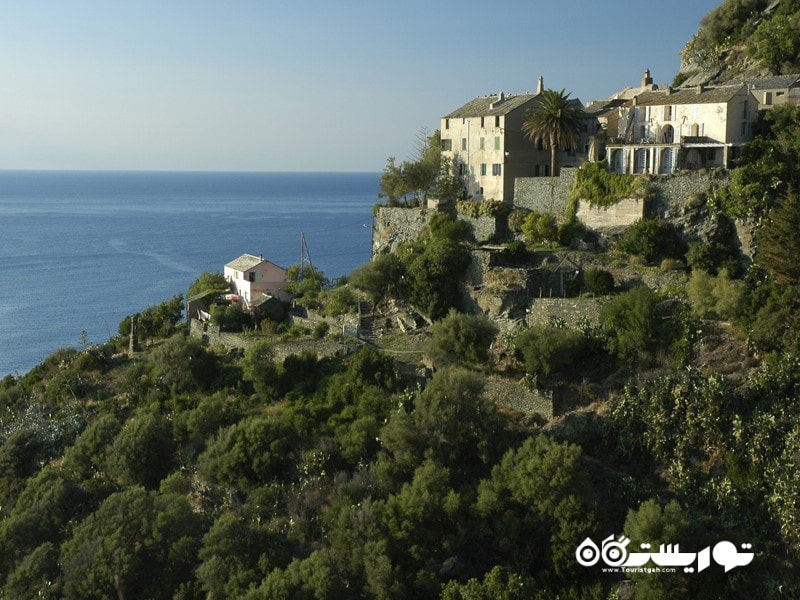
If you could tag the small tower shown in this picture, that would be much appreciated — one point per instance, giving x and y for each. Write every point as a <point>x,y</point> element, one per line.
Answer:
<point>647,80</point>
<point>540,85</point>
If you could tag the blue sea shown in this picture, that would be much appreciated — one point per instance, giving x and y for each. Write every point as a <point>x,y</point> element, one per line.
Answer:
<point>81,250</point>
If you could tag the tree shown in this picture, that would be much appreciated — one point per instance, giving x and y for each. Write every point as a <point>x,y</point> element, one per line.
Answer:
<point>142,452</point>
<point>182,364</point>
<point>632,322</point>
<point>539,228</point>
<point>138,544</point>
<point>654,525</point>
<point>209,284</point>
<point>418,176</point>
<point>461,338</point>
<point>553,353</point>
<point>598,281</point>
<point>557,121</point>
<point>779,241</point>
<point>379,278</point>
<point>259,368</point>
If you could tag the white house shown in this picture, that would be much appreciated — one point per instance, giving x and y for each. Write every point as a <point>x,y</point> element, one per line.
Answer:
<point>251,276</point>
<point>663,130</point>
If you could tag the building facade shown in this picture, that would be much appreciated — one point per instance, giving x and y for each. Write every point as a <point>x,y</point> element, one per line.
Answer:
<point>488,149</point>
<point>663,130</point>
<point>252,276</point>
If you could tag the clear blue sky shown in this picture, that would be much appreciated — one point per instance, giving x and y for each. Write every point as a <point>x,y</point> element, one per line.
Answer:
<point>297,85</point>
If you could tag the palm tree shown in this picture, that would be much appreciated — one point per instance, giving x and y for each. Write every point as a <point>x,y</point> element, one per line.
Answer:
<point>555,119</point>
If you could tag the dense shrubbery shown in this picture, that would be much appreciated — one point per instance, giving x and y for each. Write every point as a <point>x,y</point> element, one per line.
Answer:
<point>652,240</point>
<point>461,339</point>
<point>427,272</point>
<point>598,281</point>
<point>600,187</point>
<point>540,228</point>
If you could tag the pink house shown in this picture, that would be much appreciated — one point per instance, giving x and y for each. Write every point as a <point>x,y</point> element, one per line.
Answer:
<point>251,276</point>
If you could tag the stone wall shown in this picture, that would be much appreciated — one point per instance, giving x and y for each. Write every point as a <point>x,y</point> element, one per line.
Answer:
<point>544,194</point>
<point>550,195</point>
<point>621,214</point>
<point>396,225</point>
<point>674,189</point>
<point>392,226</point>
<point>572,311</point>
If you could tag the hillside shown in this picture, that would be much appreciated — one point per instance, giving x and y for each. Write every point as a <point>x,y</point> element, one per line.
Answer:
<point>743,39</point>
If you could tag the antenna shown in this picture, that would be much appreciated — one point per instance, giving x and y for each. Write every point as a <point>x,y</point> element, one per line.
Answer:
<point>305,255</point>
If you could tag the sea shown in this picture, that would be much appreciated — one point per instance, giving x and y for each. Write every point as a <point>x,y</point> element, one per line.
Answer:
<point>80,250</point>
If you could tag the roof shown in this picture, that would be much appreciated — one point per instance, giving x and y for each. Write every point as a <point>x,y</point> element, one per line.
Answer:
<point>702,95</point>
<point>489,106</point>
<point>600,108</point>
<point>245,262</point>
<point>769,83</point>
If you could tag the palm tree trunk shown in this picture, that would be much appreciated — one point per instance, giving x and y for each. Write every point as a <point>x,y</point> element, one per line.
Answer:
<point>553,157</point>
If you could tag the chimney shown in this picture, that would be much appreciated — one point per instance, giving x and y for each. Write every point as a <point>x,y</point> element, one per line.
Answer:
<point>700,89</point>
<point>540,85</point>
<point>647,80</point>
<point>500,97</point>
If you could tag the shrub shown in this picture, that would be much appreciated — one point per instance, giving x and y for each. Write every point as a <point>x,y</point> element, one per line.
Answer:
<point>540,228</point>
<point>461,339</point>
<point>571,232</point>
<point>598,281</point>
<point>632,324</point>
<point>551,353</point>
<point>516,251</point>
<point>600,187</point>
<point>321,330</point>
<point>651,239</point>
<point>516,218</point>
<point>715,297</point>
<point>671,264</point>
<point>379,278</point>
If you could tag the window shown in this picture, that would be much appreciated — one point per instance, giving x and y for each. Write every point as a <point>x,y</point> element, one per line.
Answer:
<point>744,129</point>
<point>481,143</point>
<point>767,98</point>
<point>251,276</point>
<point>745,109</point>
<point>463,143</point>
<point>447,145</point>
<point>497,143</point>
<point>669,113</point>
<point>497,121</point>
<point>482,123</point>
<point>483,169</point>
<point>447,123</point>
<point>497,169</point>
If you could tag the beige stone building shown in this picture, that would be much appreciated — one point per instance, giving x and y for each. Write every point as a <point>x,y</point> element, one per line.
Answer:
<point>665,130</point>
<point>773,91</point>
<point>485,141</point>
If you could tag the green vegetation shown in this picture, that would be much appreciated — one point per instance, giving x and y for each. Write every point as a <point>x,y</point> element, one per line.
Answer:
<point>461,339</point>
<point>602,188</point>
<point>540,228</point>
<point>652,240</point>
<point>598,281</point>
<point>428,173</point>
<point>555,120</point>
<point>426,272</point>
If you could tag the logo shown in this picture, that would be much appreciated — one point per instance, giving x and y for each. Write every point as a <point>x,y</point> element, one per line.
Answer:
<point>614,553</point>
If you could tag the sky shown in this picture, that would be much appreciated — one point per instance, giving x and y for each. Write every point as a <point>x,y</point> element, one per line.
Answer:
<point>298,85</point>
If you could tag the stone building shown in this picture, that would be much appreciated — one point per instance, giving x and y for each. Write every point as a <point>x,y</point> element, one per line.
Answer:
<point>664,130</point>
<point>251,276</point>
<point>485,141</point>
